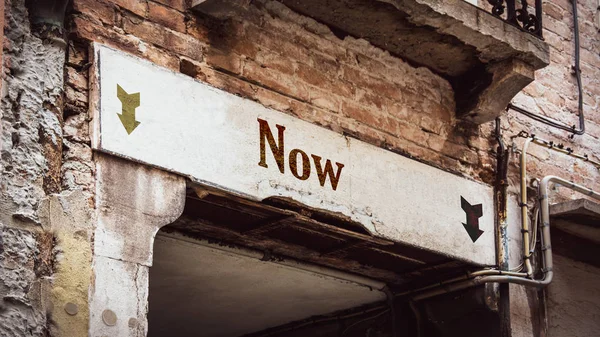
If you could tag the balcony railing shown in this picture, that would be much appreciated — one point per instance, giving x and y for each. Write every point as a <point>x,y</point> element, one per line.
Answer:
<point>522,17</point>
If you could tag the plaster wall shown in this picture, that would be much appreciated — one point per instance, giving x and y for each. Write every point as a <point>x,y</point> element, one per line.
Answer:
<point>30,163</point>
<point>574,299</point>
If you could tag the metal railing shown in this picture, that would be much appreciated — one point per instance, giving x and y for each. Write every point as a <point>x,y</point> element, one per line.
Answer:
<point>522,15</point>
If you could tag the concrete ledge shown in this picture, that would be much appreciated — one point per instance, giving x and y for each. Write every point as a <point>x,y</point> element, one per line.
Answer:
<point>581,211</point>
<point>486,60</point>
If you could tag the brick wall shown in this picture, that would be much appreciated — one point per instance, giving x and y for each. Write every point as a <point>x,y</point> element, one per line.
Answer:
<point>280,59</point>
<point>554,94</point>
<point>293,64</point>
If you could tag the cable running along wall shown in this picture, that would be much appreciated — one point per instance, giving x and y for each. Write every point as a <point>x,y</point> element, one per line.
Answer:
<point>577,71</point>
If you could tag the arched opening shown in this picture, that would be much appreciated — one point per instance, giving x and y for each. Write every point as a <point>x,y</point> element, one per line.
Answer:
<point>231,267</point>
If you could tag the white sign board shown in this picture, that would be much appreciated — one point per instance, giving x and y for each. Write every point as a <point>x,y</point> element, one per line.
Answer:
<point>169,120</point>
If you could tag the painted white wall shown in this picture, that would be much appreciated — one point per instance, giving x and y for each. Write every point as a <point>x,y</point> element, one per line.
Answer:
<point>212,136</point>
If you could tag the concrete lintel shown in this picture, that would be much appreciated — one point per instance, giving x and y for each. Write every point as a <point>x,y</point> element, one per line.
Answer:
<point>133,202</point>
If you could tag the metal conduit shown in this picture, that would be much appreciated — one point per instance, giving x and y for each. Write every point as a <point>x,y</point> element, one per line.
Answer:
<point>577,72</point>
<point>505,277</point>
<point>524,209</point>
<point>560,148</point>
<point>487,275</point>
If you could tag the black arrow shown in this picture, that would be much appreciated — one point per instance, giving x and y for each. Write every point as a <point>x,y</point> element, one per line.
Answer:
<point>474,212</point>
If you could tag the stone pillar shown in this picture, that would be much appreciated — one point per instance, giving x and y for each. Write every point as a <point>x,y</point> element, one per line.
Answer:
<point>133,202</point>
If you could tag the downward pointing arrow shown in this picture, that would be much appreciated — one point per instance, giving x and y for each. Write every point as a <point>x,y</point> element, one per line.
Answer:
<point>474,212</point>
<point>473,232</point>
<point>129,102</point>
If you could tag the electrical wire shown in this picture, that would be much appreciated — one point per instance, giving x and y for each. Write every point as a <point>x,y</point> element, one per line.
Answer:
<point>517,268</point>
<point>364,320</point>
<point>577,70</point>
<point>533,240</point>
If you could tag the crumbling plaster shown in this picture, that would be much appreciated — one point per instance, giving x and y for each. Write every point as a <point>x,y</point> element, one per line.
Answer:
<point>30,156</point>
<point>31,118</point>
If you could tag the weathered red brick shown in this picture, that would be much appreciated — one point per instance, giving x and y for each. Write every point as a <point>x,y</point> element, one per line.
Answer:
<point>553,10</point>
<point>325,99</point>
<point>76,79</point>
<point>376,85</point>
<point>138,7</point>
<point>271,60</point>
<point>176,42</point>
<point>277,43</point>
<point>179,5</point>
<point>161,57</point>
<point>96,10</point>
<point>88,30</point>
<point>274,80</point>
<point>412,133</point>
<point>76,97</point>
<point>311,76</point>
<point>197,29</point>
<point>273,100</point>
<point>219,59</point>
<point>363,115</point>
<point>166,16</point>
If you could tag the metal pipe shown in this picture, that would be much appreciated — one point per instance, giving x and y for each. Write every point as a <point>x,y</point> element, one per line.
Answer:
<point>577,70</point>
<point>539,15</point>
<point>491,275</point>
<point>546,247</point>
<point>502,160</point>
<point>467,276</point>
<point>524,209</point>
<point>502,239</point>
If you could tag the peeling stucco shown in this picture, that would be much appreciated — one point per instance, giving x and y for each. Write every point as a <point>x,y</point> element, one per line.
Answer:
<point>30,156</point>
<point>70,219</point>
<point>31,137</point>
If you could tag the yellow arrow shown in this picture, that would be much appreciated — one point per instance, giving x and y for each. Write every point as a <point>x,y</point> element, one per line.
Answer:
<point>129,103</point>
